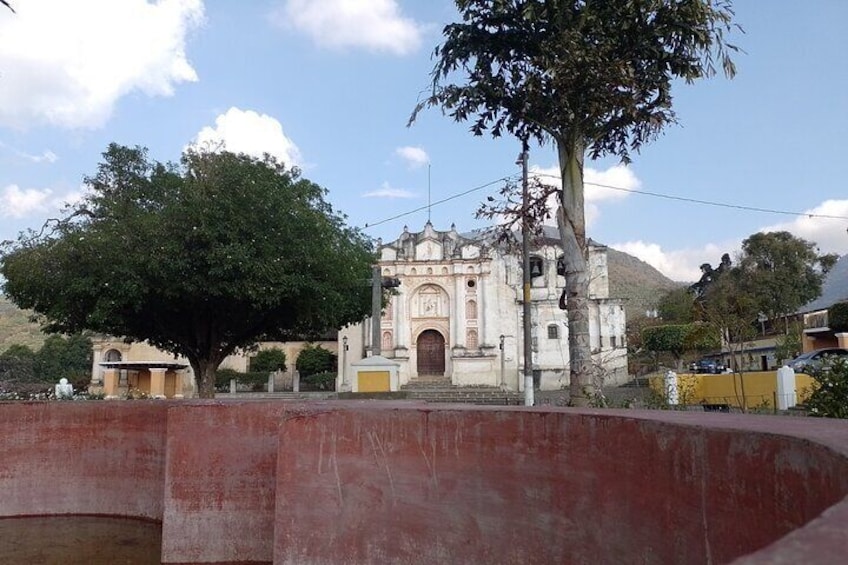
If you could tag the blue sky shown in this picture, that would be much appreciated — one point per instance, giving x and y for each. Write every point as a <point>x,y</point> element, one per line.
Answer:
<point>329,86</point>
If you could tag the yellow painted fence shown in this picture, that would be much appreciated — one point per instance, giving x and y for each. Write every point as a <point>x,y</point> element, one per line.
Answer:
<point>758,389</point>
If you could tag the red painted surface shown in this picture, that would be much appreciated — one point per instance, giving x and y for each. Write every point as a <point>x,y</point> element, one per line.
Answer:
<point>380,482</point>
<point>375,485</point>
<point>219,494</point>
<point>82,458</point>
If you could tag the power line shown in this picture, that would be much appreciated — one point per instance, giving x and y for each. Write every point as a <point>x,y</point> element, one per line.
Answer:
<point>437,202</point>
<point>621,189</point>
<point>708,202</point>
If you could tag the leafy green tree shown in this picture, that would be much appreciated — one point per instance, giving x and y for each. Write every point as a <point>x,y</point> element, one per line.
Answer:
<point>789,345</point>
<point>199,259</point>
<point>731,308</point>
<point>17,363</point>
<point>782,271</point>
<point>64,357</point>
<point>592,77</point>
<point>837,317</point>
<point>678,306</point>
<point>268,361</point>
<point>314,359</point>
<point>678,339</point>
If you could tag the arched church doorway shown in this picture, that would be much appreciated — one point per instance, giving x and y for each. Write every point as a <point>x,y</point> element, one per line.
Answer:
<point>431,353</point>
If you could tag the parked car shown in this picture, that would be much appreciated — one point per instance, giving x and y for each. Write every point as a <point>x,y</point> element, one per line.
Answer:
<point>707,365</point>
<point>812,360</point>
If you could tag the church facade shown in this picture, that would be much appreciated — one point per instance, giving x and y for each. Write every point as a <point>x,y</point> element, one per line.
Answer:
<point>457,314</point>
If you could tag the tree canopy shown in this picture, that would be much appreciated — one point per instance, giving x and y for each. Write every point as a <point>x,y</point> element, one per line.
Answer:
<point>593,77</point>
<point>677,306</point>
<point>199,258</point>
<point>783,271</point>
<point>678,339</point>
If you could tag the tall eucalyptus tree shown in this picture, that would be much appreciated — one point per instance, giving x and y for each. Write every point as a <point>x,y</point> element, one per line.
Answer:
<point>593,77</point>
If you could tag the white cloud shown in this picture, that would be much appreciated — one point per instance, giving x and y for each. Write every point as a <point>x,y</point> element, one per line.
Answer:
<point>67,63</point>
<point>620,176</point>
<point>375,25</point>
<point>387,191</point>
<point>681,264</point>
<point>828,233</point>
<point>46,156</point>
<point>246,131</point>
<point>16,202</point>
<point>415,157</point>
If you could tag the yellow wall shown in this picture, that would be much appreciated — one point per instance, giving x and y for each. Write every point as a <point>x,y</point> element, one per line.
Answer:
<point>373,381</point>
<point>760,388</point>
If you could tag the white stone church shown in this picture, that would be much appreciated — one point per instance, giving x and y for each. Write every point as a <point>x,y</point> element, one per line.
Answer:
<point>457,314</point>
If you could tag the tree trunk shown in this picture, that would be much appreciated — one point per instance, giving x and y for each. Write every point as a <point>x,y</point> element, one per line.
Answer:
<point>204,374</point>
<point>571,220</point>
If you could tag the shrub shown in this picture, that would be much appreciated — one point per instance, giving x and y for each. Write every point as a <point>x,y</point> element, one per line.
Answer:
<point>837,317</point>
<point>321,381</point>
<point>254,380</point>
<point>268,361</point>
<point>829,398</point>
<point>315,359</point>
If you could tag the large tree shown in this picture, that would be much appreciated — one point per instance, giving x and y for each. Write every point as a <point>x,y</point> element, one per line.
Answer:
<point>592,76</point>
<point>199,259</point>
<point>783,271</point>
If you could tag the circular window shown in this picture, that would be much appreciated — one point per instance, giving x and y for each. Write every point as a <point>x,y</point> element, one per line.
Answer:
<point>471,283</point>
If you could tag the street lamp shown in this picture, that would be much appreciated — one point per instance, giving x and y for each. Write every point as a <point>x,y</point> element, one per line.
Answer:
<point>344,362</point>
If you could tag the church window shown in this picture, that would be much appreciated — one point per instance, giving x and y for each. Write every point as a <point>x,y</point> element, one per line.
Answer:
<point>553,331</point>
<point>471,310</point>
<point>471,339</point>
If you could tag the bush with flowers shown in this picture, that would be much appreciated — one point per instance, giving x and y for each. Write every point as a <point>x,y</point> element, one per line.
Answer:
<point>829,397</point>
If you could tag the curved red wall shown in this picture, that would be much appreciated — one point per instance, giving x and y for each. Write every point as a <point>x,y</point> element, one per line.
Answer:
<point>377,482</point>
<point>82,458</point>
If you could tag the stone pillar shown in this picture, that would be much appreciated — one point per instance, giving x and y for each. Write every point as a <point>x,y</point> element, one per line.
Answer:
<point>96,352</point>
<point>841,339</point>
<point>157,382</point>
<point>179,389</point>
<point>110,383</point>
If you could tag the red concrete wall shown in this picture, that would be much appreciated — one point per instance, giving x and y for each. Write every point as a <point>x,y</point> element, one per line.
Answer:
<point>379,482</point>
<point>373,485</point>
<point>82,458</point>
<point>219,491</point>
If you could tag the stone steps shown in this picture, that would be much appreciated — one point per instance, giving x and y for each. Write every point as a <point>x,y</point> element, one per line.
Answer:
<point>465,395</point>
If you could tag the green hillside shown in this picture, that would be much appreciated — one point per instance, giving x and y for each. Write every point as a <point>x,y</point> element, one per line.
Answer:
<point>16,328</point>
<point>637,283</point>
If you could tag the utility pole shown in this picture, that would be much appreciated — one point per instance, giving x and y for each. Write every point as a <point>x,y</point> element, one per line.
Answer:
<point>378,283</point>
<point>525,252</point>
<point>376,309</point>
